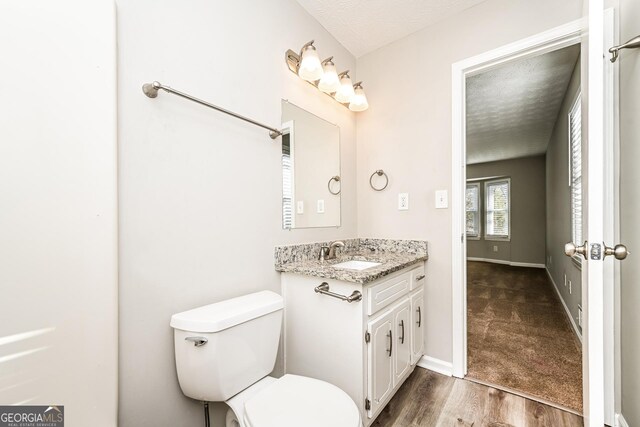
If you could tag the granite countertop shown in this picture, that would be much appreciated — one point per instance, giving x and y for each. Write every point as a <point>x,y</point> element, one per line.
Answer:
<point>390,262</point>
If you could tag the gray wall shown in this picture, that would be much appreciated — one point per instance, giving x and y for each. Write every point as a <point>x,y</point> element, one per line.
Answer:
<point>200,192</point>
<point>559,203</point>
<point>407,132</point>
<point>630,212</point>
<point>527,244</point>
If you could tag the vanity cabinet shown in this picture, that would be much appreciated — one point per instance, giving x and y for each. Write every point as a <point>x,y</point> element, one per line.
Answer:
<point>367,347</point>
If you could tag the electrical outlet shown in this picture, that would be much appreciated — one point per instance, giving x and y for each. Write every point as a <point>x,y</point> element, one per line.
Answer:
<point>565,280</point>
<point>320,206</point>
<point>495,249</point>
<point>403,201</point>
<point>550,261</point>
<point>569,287</point>
<point>300,207</point>
<point>580,316</point>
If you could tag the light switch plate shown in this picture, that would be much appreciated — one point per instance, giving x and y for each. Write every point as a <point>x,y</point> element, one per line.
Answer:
<point>300,207</point>
<point>320,209</point>
<point>403,201</point>
<point>442,199</point>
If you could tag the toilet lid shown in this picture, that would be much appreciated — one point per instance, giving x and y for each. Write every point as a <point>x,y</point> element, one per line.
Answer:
<point>294,401</point>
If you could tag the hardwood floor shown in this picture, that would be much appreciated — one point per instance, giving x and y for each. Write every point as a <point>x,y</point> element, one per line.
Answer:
<point>429,399</point>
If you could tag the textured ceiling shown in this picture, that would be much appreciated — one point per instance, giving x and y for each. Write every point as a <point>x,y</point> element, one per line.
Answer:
<point>511,110</point>
<point>362,26</point>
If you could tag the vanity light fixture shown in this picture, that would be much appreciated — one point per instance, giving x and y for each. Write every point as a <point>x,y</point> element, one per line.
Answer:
<point>359,99</point>
<point>346,91</point>
<point>324,76</point>
<point>310,68</point>
<point>329,82</point>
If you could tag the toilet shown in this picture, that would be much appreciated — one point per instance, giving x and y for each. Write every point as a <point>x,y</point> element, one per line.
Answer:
<point>225,353</point>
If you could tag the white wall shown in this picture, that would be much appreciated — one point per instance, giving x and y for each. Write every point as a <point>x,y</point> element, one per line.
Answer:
<point>58,229</point>
<point>200,192</point>
<point>407,132</point>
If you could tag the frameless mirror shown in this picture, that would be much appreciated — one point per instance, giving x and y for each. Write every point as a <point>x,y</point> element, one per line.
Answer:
<point>311,182</point>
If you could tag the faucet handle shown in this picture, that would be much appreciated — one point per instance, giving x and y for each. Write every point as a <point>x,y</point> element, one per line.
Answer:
<point>324,250</point>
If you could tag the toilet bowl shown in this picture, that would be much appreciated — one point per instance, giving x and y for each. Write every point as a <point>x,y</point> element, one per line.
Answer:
<point>292,401</point>
<point>225,352</point>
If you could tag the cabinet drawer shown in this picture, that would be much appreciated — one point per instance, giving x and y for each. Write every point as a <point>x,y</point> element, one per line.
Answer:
<point>383,294</point>
<point>417,277</point>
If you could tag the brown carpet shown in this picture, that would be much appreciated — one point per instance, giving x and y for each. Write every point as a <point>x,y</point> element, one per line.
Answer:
<point>519,336</point>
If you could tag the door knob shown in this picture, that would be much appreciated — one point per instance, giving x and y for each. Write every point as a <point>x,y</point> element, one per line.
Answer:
<point>618,251</point>
<point>570,249</point>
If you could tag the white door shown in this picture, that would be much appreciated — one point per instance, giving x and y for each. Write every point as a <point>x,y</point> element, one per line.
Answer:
<point>417,326</point>
<point>402,352</point>
<point>628,342</point>
<point>58,199</point>
<point>381,348</point>
<point>599,124</point>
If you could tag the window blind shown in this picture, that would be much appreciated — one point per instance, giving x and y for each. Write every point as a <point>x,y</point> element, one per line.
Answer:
<point>472,199</point>
<point>287,183</point>
<point>575,167</point>
<point>497,208</point>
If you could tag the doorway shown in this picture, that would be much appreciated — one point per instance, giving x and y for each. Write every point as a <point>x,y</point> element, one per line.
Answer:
<point>598,311</point>
<point>522,204</point>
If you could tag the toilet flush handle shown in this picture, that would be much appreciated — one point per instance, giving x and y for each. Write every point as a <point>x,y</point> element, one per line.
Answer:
<point>197,341</point>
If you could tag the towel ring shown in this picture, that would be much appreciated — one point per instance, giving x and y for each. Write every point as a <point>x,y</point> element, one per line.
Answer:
<point>379,172</point>
<point>336,179</point>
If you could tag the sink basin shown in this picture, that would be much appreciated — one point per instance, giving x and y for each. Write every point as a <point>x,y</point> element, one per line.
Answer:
<point>356,265</point>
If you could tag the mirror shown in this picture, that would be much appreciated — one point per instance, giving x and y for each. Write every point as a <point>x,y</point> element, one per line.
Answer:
<point>311,181</point>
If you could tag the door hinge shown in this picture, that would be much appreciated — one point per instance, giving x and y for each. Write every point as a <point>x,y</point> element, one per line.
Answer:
<point>367,337</point>
<point>367,404</point>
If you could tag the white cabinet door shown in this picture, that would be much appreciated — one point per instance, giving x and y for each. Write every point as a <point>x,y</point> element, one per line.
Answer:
<point>402,340</point>
<point>381,348</point>
<point>417,326</point>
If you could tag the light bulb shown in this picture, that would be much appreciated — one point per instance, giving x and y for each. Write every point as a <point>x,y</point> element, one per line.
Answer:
<point>359,100</point>
<point>330,82</point>
<point>310,67</point>
<point>345,92</point>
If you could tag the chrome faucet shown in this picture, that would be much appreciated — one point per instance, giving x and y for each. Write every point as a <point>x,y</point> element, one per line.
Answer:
<point>332,249</point>
<point>324,251</point>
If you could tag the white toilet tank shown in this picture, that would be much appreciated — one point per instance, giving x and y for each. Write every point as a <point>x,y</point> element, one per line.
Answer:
<point>223,348</point>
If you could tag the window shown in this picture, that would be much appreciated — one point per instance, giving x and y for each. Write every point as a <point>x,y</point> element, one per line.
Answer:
<point>575,171</point>
<point>472,201</point>
<point>287,182</point>
<point>497,205</point>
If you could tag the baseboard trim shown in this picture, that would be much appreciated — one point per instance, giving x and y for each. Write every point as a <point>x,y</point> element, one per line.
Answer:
<point>621,421</point>
<point>436,365</point>
<point>505,262</point>
<point>566,309</point>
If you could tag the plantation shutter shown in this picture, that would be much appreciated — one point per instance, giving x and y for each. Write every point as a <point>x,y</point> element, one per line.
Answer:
<point>287,183</point>
<point>575,160</point>
<point>472,199</point>
<point>497,195</point>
